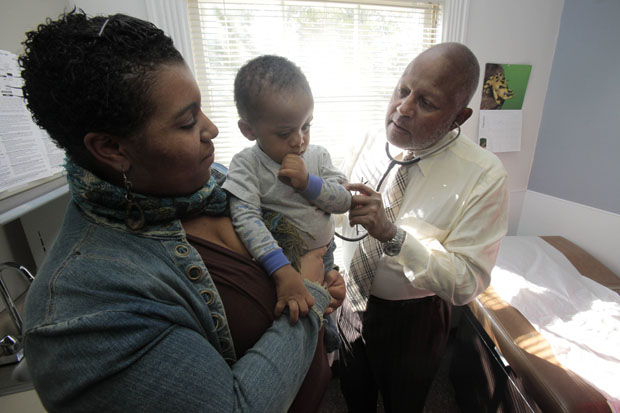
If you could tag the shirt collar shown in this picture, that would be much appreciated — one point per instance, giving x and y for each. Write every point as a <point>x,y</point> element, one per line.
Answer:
<point>426,164</point>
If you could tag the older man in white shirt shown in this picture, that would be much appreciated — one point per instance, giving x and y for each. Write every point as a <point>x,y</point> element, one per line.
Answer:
<point>435,250</point>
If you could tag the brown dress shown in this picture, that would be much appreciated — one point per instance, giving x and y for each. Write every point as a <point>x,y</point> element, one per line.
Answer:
<point>249,297</point>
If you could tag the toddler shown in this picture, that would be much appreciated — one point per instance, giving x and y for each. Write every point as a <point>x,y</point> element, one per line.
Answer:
<point>282,174</point>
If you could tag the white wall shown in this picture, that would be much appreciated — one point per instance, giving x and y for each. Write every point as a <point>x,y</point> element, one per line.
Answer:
<point>595,230</point>
<point>16,18</point>
<point>518,32</point>
<point>19,16</point>
<point>135,8</point>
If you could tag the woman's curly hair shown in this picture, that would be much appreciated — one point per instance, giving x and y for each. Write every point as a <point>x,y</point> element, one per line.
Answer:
<point>92,74</point>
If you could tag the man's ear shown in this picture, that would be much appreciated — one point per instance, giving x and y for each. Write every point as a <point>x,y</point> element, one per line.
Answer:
<point>246,129</point>
<point>463,115</point>
<point>106,150</point>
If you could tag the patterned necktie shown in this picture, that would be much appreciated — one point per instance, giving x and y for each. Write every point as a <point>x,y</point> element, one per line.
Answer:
<point>369,250</point>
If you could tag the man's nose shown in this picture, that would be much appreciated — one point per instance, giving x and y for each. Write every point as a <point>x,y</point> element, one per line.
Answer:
<point>406,106</point>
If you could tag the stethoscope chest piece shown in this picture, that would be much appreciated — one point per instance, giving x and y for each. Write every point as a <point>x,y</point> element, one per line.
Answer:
<point>393,162</point>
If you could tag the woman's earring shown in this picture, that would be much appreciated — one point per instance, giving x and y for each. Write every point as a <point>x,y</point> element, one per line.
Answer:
<point>134,216</point>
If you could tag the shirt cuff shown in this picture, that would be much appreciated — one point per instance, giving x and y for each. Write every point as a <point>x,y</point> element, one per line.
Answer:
<point>273,260</point>
<point>413,254</point>
<point>313,189</point>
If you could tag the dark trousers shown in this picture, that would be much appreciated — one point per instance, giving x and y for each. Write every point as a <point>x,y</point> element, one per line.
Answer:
<point>394,347</point>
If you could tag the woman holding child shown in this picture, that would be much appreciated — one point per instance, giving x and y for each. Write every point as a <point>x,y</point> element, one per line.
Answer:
<point>136,304</point>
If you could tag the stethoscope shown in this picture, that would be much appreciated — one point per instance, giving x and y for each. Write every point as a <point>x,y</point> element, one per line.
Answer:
<point>394,162</point>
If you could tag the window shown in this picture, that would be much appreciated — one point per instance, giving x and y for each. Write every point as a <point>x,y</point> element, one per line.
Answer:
<point>351,53</point>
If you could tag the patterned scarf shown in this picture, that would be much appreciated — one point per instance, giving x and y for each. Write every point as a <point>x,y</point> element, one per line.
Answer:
<point>99,198</point>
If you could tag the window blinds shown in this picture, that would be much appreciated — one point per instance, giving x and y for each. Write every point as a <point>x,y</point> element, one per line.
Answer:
<point>351,52</point>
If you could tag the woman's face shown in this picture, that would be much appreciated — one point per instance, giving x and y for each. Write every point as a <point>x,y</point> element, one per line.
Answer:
<point>173,153</point>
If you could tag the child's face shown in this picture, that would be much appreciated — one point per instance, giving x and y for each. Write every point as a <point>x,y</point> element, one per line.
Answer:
<point>283,124</point>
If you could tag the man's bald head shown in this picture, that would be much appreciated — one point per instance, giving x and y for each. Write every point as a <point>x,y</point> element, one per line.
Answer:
<point>431,96</point>
<point>463,63</point>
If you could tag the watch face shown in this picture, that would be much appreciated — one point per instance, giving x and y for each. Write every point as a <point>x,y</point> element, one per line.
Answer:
<point>393,246</point>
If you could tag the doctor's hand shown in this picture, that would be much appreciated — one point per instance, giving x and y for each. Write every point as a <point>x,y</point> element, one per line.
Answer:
<point>368,211</point>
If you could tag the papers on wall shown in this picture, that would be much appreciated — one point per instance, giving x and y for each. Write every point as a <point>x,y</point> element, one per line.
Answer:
<point>500,130</point>
<point>27,154</point>
<point>503,92</point>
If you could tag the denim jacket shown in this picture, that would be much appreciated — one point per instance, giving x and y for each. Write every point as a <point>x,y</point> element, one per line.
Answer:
<point>118,321</point>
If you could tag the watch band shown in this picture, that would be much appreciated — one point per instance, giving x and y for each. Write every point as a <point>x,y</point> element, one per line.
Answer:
<point>392,247</point>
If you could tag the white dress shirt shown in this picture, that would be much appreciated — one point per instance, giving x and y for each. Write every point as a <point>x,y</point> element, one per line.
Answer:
<point>455,214</point>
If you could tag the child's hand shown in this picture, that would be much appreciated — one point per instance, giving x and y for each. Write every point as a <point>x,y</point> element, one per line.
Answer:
<point>293,170</point>
<point>337,290</point>
<point>291,291</point>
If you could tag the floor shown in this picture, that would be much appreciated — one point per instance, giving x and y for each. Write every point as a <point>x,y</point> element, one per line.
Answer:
<point>440,399</point>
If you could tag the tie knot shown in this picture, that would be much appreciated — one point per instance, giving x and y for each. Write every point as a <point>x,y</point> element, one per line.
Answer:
<point>408,155</point>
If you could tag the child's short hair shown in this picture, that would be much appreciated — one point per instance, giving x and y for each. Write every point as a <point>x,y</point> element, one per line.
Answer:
<point>271,71</point>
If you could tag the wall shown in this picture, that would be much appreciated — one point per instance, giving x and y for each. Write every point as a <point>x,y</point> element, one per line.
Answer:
<point>136,8</point>
<point>574,190</point>
<point>579,143</point>
<point>19,16</point>
<point>593,229</point>
<point>519,32</point>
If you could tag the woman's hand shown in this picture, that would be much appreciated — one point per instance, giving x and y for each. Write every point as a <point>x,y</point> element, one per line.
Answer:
<point>368,211</point>
<point>337,290</point>
<point>311,265</point>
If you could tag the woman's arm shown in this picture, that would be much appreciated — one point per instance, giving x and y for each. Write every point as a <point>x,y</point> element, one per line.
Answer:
<point>133,361</point>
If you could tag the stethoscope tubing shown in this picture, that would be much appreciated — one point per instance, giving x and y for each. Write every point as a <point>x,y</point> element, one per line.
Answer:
<point>401,163</point>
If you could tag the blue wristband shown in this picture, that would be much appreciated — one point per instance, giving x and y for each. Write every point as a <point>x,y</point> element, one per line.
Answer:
<point>273,260</point>
<point>313,189</point>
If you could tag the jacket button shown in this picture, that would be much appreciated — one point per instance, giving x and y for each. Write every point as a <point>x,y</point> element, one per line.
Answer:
<point>193,272</point>
<point>208,296</point>
<point>217,320</point>
<point>181,250</point>
<point>224,344</point>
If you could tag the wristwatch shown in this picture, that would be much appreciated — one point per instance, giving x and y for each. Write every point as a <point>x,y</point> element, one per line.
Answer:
<point>392,247</point>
